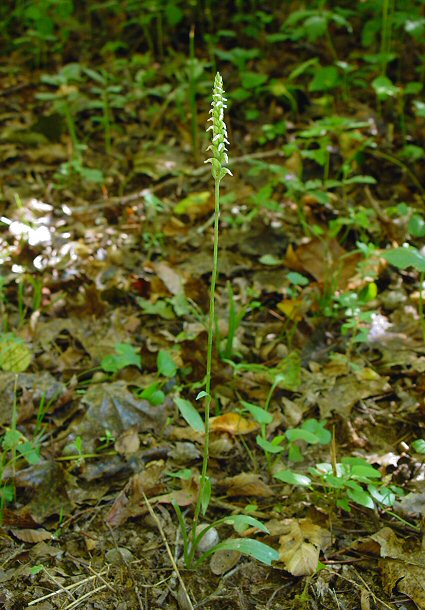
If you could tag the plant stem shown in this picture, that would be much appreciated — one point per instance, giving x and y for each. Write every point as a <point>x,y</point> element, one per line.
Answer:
<point>211,324</point>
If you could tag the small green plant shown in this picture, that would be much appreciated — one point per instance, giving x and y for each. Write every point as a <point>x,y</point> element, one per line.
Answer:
<point>126,355</point>
<point>14,448</point>
<point>167,369</point>
<point>191,542</point>
<point>351,480</point>
<point>312,432</point>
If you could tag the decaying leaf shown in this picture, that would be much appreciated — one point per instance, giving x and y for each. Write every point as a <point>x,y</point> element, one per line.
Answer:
<point>232,423</point>
<point>301,544</point>
<point>247,484</point>
<point>128,442</point>
<point>111,406</point>
<point>401,564</point>
<point>32,536</point>
<point>129,502</point>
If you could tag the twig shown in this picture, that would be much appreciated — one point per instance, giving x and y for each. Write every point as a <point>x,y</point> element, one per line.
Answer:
<point>170,554</point>
<point>65,589</point>
<point>84,597</point>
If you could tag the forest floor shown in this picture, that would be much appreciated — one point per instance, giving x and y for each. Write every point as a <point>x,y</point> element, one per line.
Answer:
<point>106,235</point>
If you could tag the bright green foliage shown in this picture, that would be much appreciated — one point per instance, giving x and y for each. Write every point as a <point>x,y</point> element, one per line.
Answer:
<point>165,363</point>
<point>419,446</point>
<point>190,414</point>
<point>126,355</point>
<point>354,479</point>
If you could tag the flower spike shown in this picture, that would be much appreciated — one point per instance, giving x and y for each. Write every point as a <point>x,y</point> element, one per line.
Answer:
<point>219,138</point>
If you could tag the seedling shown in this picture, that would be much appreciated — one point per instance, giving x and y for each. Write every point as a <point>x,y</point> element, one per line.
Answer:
<point>351,480</point>
<point>14,448</point>
<point>126,355</point>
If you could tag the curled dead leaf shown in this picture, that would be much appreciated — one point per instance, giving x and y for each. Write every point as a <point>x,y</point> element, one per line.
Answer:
<point>32,536</point>
<point>232,423</point>
<point>247,484</point>
<point>301,544</point>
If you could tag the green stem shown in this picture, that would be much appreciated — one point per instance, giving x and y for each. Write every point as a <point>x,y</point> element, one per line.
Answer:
<point>211,323</point>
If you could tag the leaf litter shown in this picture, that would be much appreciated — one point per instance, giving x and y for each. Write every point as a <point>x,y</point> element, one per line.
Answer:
<point>90,267</point>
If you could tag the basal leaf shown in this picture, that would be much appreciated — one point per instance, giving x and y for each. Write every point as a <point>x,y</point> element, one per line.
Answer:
<point>190,414</point>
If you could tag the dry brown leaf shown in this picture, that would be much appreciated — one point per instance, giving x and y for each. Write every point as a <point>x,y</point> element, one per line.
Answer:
<point>301,561</point>
<point>301,544</point>
<point>128,442</point>
<point>130,502</point>
<point>33,536</point>
<point>402,566</point>
<point>232,423</point>
<point>328,263</point>
<point>247,484</point>
<point>169,276</point>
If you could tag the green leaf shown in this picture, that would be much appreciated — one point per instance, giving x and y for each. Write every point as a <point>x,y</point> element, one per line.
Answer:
<point>419,108</point>
<point>247,546</point>
<point>126,355</point>
<point>241,522</point>
<point>7,493</point>
<point>270,260</point>
<point>201,394</point>
<point>251,80</point>
<point>324,79</point>
<point>185,474</point>
<point>383,495</point>
<point>260,415</point>
<point>205,495</point>
<point>297,278</point>
<point>29,452</point>
<point>165,364</point>
<point>315,26</point>
<point>384,88</point>
<point>359,179</point>
<point>11,439</point>
<point>160,308</point>
<point>361,497</point>
<point>267,446</point>
<point>318,428</point>
<point>419,446</point>
<point>293,478</point>
<point>298,434</point>
<point>416,226</point>
<point>190,414</point>
<point>153,394</point>
<point>365,472</point>
<point>294,453</point>
<point>15,355</point>
<point>402,258</point>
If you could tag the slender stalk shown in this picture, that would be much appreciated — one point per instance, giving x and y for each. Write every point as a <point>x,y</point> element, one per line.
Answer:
<point>211,325</point>
<point>219,160</point>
